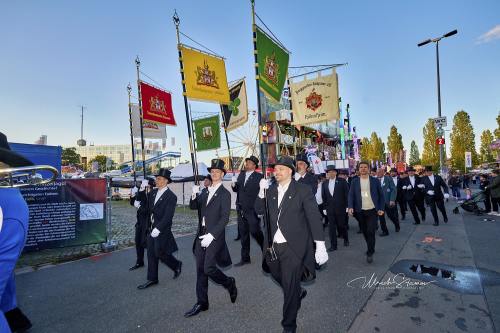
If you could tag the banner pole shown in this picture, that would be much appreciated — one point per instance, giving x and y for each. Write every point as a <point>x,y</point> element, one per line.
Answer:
<point>137,64</point>
<point>192,150</point>
<point>129,90</point>
<point>227,140</point>
<point>194,139</point>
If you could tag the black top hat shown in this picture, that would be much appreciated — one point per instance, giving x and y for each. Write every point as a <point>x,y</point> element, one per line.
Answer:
<point>303,158</point>
<point>343,172</point>
<point>9,157</point>
<point>428,168</point>
<point>254,159</point>
<point>330,168</point>
<point>165,173</point>
<point>410,168</point>
<point>374,169</point>
<point>209,177</point>
<point>217,164</point>
<point>394,170</point>
<point>285,161</point>
<point>151,182</point>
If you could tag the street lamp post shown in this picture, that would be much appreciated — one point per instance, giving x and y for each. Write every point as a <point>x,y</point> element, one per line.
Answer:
<point>436,41</point>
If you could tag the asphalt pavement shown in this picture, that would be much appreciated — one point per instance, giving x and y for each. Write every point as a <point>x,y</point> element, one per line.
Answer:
<point>99,294</point>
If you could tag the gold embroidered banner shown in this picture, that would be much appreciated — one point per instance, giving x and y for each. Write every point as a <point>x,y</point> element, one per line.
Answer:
<point>204,76</point>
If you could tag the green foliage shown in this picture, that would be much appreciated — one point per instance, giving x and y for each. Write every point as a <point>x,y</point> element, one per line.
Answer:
<point>414,154</point>
<point>485,153</point>
<point>462,139</point>
<point>70,156</point>
<point>430,154</point>
<point>395,144</point>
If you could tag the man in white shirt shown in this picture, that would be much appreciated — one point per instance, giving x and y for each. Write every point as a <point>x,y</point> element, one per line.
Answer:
<point>294,223</point>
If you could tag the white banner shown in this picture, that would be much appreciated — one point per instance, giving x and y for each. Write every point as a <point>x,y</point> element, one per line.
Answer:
<point>152,130</point>
<point>468,159</point>
<point>315,100</point>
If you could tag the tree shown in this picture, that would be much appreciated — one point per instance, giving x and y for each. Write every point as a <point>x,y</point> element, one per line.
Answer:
<point>430,153</point>
<point>485,153</point>
<point>364,149</point>
<point>395,144</point>
<point>497,130</point>
<point>414,154</point>
<point>101,160</point>
<point>377,148</point>
<point>462,139</point>
<point>70,156</point>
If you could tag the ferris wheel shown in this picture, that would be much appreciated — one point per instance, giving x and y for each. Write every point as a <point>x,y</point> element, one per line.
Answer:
<point>243,141</point>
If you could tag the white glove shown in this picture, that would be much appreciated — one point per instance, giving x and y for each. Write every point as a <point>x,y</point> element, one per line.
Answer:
<point>347,210</point>
<point>446,195</point>
<point>134,191</point>
<point>421,186</point>
<point>324,211</point>
<point>233,180</point>
<point>206,240</point>
<point>404,187</point>
<point>430,192</point>
<point>263,185</point>
<point>155,233</point>
<point>195,191</point>
<point>137,204</point>
<point>409,187</point>
<point>321,255</point>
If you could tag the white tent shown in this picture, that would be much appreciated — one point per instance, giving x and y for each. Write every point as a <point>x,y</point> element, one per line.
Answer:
<point>183,171</point>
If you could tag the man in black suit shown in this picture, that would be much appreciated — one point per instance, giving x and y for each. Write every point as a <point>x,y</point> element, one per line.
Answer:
<point>367,201</point>
<point>210,248</point>
<point>412,187</point>
<point>434,195</point>
<point>295,223</point>
<point>247,187</point>
<point>302,175</point>
<point>139,199</point>
<point>161,241</point>
<point>400,197</point>
<point>334,196</point>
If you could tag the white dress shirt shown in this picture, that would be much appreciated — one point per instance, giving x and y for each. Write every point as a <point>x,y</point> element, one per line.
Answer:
<point>278,236</point>
<point>298,176</point>
<point>211,191</point>
<point>431,178</point>
<point>247,175</point>
<point>160,193</point>
<point>412,180</point>
<point>395,180</point>
<point>331,186</point>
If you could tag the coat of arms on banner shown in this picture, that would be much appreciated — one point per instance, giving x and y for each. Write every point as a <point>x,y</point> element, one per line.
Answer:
<point>272,68</point>
<point>314,100</point>
<point>156,105</point>
<point>206,77</point>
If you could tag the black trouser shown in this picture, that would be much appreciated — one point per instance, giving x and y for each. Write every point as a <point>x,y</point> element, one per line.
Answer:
<point>139,246</point>
<point>487,203</point>
<point>440,204</point>
<point>495,202</point>
<point>413,208</point>
<point>368,223</point>
<point>392,214</point>
<point>239,222</point>
<point>153,260</point>
<point>287,272</point>
<point>402,207</point>
<point>337,223</point>
<point>205,271</point>
<point>250,225</point>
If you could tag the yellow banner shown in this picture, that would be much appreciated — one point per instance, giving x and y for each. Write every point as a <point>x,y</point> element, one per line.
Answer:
<point>204,76</point>
<point>315,100</point>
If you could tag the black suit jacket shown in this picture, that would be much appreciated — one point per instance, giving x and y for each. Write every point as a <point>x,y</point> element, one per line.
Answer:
<point>413,192</point>
<point>438,184</point>
<point>400,195</point>
<point>216,214</point>
<point>247,192</point>
<point>161,217</point>
<point>337,203</point>
<point>300,220</point>
<point>310,180</point>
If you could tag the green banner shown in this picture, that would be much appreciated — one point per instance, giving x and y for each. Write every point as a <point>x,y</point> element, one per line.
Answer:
<point>273,65</point>
<point>207,131</point>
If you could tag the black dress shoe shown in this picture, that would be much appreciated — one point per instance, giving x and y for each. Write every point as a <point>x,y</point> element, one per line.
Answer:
<point>435,223</point>
<point>383,234</point>
<point>178,271</point>
<point>359,232</point>
<point>233,291</point>
<point>333,248</point>
<point>446,220</point>
<point>197,308</point>
<point>147,284</point>
<point>346,242</point>
<point>237,238</point>
<point>398,228</point>
<point>369,259</point>
<point>416,222</point>
<point>136,266</point>
<point>242,262</point>
<point>303,294</point>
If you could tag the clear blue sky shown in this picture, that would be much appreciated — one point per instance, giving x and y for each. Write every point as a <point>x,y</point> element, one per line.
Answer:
<point>56,55</point>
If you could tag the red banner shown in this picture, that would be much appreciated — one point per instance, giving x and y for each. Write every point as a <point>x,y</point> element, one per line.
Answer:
<point>157,105</point>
